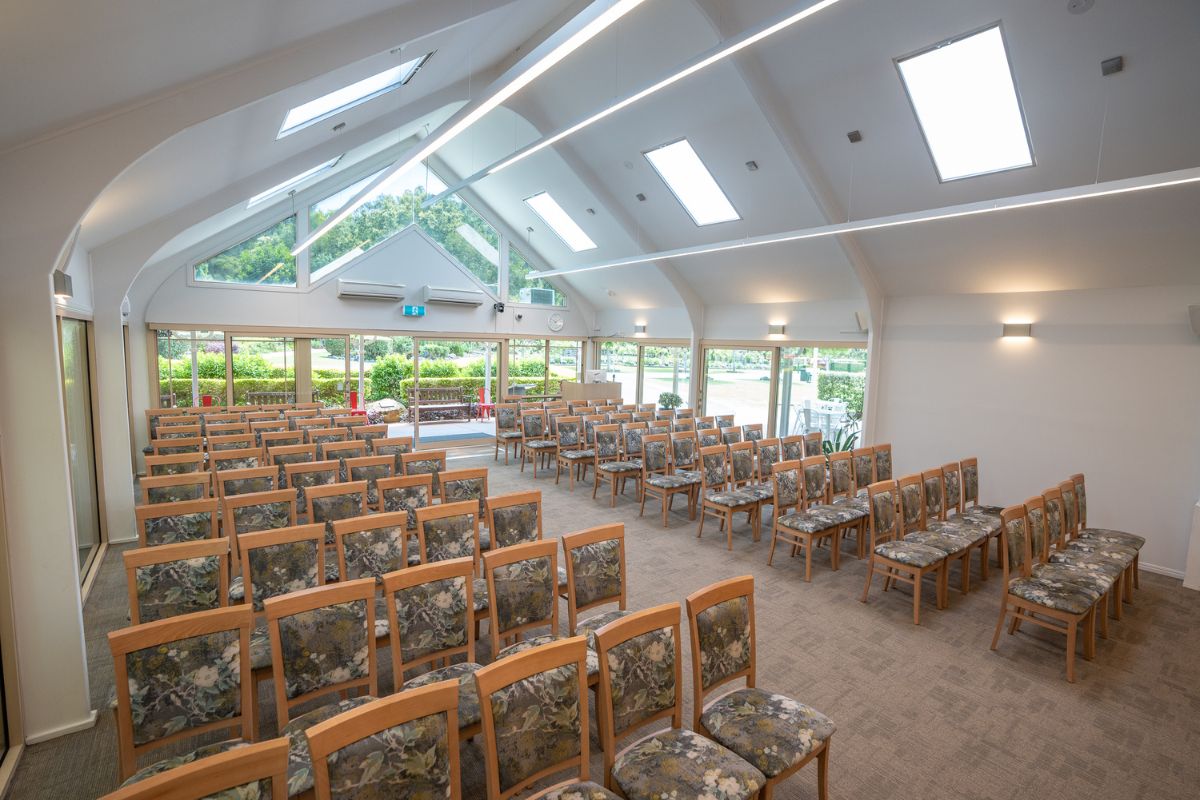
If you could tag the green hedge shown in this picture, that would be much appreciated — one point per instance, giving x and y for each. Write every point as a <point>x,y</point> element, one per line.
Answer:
<point>849,388</point>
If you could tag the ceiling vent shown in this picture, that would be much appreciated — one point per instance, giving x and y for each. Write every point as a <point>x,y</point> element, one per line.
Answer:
<point>1111,66</point>
<point>369,290</point>
<point>854,136</point>
<point>453,297</point>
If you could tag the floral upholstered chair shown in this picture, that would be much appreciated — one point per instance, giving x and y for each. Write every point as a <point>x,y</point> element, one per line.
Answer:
<point>683,425</point>
<point>970,488</point>
<point>659,481</point>
<point>448,531</point>
<point>774,733</point>
<point>394,446</point>
<point>723,421</point>
<point>281,457</point>
<point>1112,560</point>
<point>402,746</point>
<point>609,466</point>
<point>792,448</point>
<point>320,436</point>
<point>743,472</point>
<point>595,561</point>
<point>536,448</point>
<point>406,493</point>
<point>171,523</point>
<point>731,435</point>
<point>641,683</point>
<point>883,462</point>
<point>893,557</point>
<point>1099,577</point>
<point>308,475</point>
<point>1055,605</point>
<point>235,459</point>
<point>181,677</point>
<point>238,770</point>
<point>174,465</point>
<point>813,444</point>
<point>282,561</point>
<point>328,504</point>
<point>371,546</point>
<point>535,718</point>
<point>431,608</point>
<point>324,645</point>
<point>342,452</point>
<point>573,455</point>
<point>862,462</point>
<point>841,493</point>
<point>508,433</point>
<point>175,488</point>
<point>977,529</point>
<point>371,469</point>
<point>1103,534</point>
<point>248,513</point>
<point>514,518</point>
<point>752,433</point>
<point>718,499</point>
<point>815,518</point>
<point>460,485</point>
<point>954,544</point>
<point>425,462</point>
<point>369,433</point>
<point>247,481</point>
<point>175,579</point>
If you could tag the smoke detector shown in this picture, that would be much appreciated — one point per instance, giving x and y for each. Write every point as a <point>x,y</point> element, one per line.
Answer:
<point>1080,6</point>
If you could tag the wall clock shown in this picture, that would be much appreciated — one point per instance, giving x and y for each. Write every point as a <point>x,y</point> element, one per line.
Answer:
<point>555,322</point>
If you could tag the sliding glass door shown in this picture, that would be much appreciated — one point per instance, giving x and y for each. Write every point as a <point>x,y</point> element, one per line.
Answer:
<point>264,370</point>
<point>738,381</point>
<point>191,364</point>
<point>822,389</point>
<point>450,396</point>
<point>81,450</point>
<point>619,361</point>
<point>665,369</point>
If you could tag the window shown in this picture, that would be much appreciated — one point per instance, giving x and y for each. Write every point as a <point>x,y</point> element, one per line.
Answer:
<point>292,182</point>
<point>738,382</point>
<point>526,367</point>
<point>966,103</point>
<point>619,360</point>
<point>691,183</point>
<point>525,289</point>
<point>264,370</point>
<point>560,222</point>
<point>821,389</point>
<point>81,452</point>
<point>264,259</point>
<point>191,364</point>
<point>666,368</point>
<point>566,363</point>
<point>327,105</point>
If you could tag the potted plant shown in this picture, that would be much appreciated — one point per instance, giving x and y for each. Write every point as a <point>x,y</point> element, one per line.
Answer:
<point>669,401</point>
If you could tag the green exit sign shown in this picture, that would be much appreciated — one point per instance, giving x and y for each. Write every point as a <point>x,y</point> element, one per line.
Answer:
<point>414,311</point>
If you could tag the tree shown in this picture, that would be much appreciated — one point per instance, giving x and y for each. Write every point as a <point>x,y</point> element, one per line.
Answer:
<point>263,259</point>
<point>334,348</point>
<point>387,376</point>
<point>375,349</point>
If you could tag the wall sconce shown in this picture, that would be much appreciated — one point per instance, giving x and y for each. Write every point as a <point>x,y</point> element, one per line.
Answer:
<point>639,330</point>
<point>1017,330</point>
<point>62,286</point>
<point>777,330</point>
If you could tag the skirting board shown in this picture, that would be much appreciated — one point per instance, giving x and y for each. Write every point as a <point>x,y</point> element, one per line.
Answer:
<point>63,730</point>
<point>1155,568</point>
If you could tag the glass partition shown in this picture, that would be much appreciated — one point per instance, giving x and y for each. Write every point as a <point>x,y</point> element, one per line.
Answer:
<point>525,287</point>
<point>264,370</point>
<point>619,360</point>
<point>738,381</point>
<point>264,259</point>
<point>566,363</point>
<point>451,389</point>
<point>81,452</point>
<point>329,374</point>
<point>666,368</point>
<point>191,366</point>
<point>526,367</point>
<point>822,389</point>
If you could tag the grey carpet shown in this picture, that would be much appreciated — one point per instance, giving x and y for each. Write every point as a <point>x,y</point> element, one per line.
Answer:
<point>922,712</point>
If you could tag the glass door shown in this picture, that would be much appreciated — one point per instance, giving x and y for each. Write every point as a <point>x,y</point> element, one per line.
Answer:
<point>453,390</point>
<point>191,365</point>
<point>264,370</point>
<point>738,381</point>
<point>81,451</point>
<point>822,389</point>
<point>665,369</point>
<point>619,360</point>
<point>382,371</point>
<point>330,374</point>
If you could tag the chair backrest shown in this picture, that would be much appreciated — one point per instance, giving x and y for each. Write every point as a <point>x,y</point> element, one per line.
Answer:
<point>642,650</point>
<point>232,482</point>
<point>422,462</point>
<point>406,493</point>
<point>244,458</point>
<point>883,462</point>
<point>714,472</point>
<point>178,464</point>
<point>1015,547</point>
<point>1070,507</point>
<point>310,474</point>
<point>280,457</point>
<point>812,444</point>
<point>723,421</point>
<point>326,435</point>
<point>226,428</point>
<point>322,642</point>
<point>721,623</point>
<point>328,504</point>
<point>685,413</point>
<point>176,579</point>
<point>816,487</point>
<point>912,503</point>
<point>643,416</point>
<point>182,677</point>
<point>459,485</point>
<point>608,442</point>
<point>570,432</point>
<point>370,469</point>
<point>281,561</point>
<point>179,431</point>
<point>267,426</point>
<point>371,546</point>
<point>952,482</point>
<point>731,435</point>
<point>394,446</point>
<point>620,417</point>
<point>258,511</point>
<point>369,433</point>
<point>862,460</point>
<point>506,417</point>
<point>549,684</point>
<point>590,421</point>
<point>245,770</point>
<point>970,481</point>
<point>1056,519</point>
<point>238,441</point>
<point>687,424</point>
<point>405,745</point>
<point>533,424</point>
<point>793,448</point>
<point>841,475</point>
<point>741,463</point>
<point>308,423</point>
<point>632,434</point>
<point>658,426</point>
<point>656,454</point>
<point>171,523</point>
<point>595,561</point>
<point>175,488</point>
<point>934,490</point>
<point>430,609</point>
<point>300,413</point>
<point>522,583</point>
<point>341,451</point>
<point>709,437</point>
<point>684,449</point>
<point>1035,526</point>
<point>514,518</point>
<point>1080,498</point>
<point>448,531</point>
<point>172,447</point>
<point>788,481</point>
<point>350,422</point>
<point>768,453</point>
<point>884,499</point>
<point>706,422</point>
<point>752,433</point>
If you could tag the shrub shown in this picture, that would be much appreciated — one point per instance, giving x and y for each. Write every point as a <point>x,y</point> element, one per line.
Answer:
<point>527,368</point>
<point>847,387</point>
<point>334,348</point>
<point>375,349</point>
<point>669,400</point>
<point>386,377</point>
<point>439,369</point>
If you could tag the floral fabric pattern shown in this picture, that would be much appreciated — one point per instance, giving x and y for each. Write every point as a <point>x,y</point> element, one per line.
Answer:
<point>371,474</point>
<point>248,792</point>
<point>751,433</point>
<point>642,672</point>
<point>884,515</point>
<point>568,434</point>
<point>742,465</point>
<point>883,465</point>
<point>374,552</point>
<point>305,480</point>
<point>537,723</point>
<point>407,498</point>
<point>408,760</point>
<point>814,483</point>
<point>633,441</point>
<point>768,457</point>
<point>654,456</point>
<point>463,489</point>
<point>864,469</point>
<point>734,499</point>
<point>933,496</point>
<point>247,485</point>
<point>324,647</point>
<point>787,487</point>
<point>910,553</point>
<point>515,524</point>
<point>282,569</point>
<point>582,790</point>
<point>533,426</point>
<point>177,587</point>
<point>432,617</point>
<point>262,517</point>
<point>713,466</point>
<point>429,466</point>
<point>506,418</point>
<point>299,771</point>
<point>1058,595</point>
<point>525,592</point>
<point>184,684</point>
<point>771,731</point>
<point>953,490</point>
<point>816,519</point>
<point>449,537</point>
<point>175,528</point>
<point>175,494</point>
<point>970,483</point>
<point>676,763</point>
<point>468,692</point>
<point>724,634</point>
<point>731,435</point>
<point>334,507</point>
<point>597,572</point>
<point>1015,534</point>
<point>910,505</point>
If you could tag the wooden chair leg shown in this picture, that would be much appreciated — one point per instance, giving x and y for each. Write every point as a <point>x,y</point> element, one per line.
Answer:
<point>771,554</point>
<point>984,567</point>
<point>700,529</point>
<point>1000,622</point>
<point>917,598</point>
<point>729,530</point>
<point>808,548</point>
<point>1102,613</point>
<point>835,544</point>
<point>966,571</point>
<point>867,585</point>
<point>1072,634</point>
<point>944,584</point>
<point>823,773</point>
<point>1089,635</point>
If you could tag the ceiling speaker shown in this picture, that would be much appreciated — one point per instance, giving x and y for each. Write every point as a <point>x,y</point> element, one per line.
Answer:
<point>1194,312</point>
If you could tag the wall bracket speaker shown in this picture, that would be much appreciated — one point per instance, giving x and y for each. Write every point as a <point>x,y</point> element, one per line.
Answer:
<point>1194,313</point>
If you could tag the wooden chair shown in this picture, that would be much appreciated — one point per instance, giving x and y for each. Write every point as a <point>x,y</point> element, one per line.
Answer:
<point>257,511</point>
<point>752,433</point>
<point>883,462</point>
<point>683,425</point>
<point>718,499</point>
<point>913,528</point>
<point>802,518</point>
<point>508,431</point>
<point>174,447</point>
<point>246,458</point>
<point>535,722</point>
<point>1112,560</point>
<point>431,610</point>
<point>259,427</point>
<point>731,435</point>
<point>723,421</point>
<point>1098,579</point>
<point>157,668</point>
<point>154,415</point>
<point>309,423</point>
<point>341,452</point>
<point>306,475</point>
<point>394,446</point>
<point>432,462</point>
<point>371,469</point>
<point>841,492</point>
<point>595,563</point>
<point>1048,604</point>
<point>534,446</point>
<point>643,649</point>
<point>175,488</point>
<point>776,734</point>
<point>171,523</point>
<point>178,464</point>
<point>406,493</point>
<point>970,487</point>
<point>978,530</point>
<point>233,482</point>
<point>168,433</point>
<point>328,504</point>
<point>448,531</point>
<point>461,485</point>
<point>895,558</point>
<point>279,457</point>
<point>300,413</point>
<point>514,518</point>
<point>608,465</point>
<point>226,429</point>
<point>1104,534</point>
<point>685,413</point>
<point>350,422</point>
<point>657,479</point>
<point>571,454</point>
<point>371,546</point>
<point>319,436</point>
<point>239,441</point>
<point>1119,546</point>
<point>792,448</point>
<point>743,472</point>
<point>245,770</point>
<point>709,437</point>
<point>369,433</point>
<point>176,579</point>
<point>813,445</point>
<point>401,746</point>
<point>862,463</point>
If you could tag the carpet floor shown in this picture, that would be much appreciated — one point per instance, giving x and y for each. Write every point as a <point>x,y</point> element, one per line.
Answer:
<point>921,712</point>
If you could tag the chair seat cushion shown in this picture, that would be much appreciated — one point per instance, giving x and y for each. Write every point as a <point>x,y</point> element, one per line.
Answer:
<point>730,499</point>
<point>947,543</point>
<point>1108,550</point>
<point>846,512</point>
<point>989,522</point>
<point>593,661</point>
<point>759,491</point>
<point>299,771</point>
<point>622,466</point>
<point>540,444</point>
<point>588,627</point>
<point>1113,537</point>
<point>771,731</point>
<point>577,455</point>
<point>1091,582</point>
<point>911,553</point>
<point>688,473</point>
<point>671,481</point>
<point>1057,595</point>
<point>983,511</point>
<point>581,790</point>
<point>859,501</point>
<point>479,594</point>
<point>681,763</point>
<point>237,590</point>
<point>816,519</point>
<point>971,530</point>
<point>509,435</point>
<point>1101,566</point>
<point>468,694</point>
<point>166,764</point>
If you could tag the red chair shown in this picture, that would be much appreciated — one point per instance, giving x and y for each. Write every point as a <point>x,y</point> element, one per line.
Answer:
<point>485,409</point>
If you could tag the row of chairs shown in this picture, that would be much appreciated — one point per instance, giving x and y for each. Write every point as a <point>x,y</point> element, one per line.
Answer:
<point>529,706</point>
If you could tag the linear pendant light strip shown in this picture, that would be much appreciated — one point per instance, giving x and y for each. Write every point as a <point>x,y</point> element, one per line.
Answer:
<point>1124,186</point>
<point>722,51</point>
<point>586,25</point>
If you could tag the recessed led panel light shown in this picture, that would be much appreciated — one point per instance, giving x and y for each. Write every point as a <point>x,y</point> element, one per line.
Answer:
<point>560,222</point>
<point>350,96</point>
<point>966,103</point>
<point>296,180</point>
<point>693,185</point>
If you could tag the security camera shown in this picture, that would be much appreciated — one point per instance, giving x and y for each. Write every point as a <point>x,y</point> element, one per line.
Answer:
<point>498,308</point>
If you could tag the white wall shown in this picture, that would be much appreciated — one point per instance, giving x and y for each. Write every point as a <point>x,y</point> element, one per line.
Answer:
<point>79,268</point>
<point>1108,386</point>
<point>818,321</point>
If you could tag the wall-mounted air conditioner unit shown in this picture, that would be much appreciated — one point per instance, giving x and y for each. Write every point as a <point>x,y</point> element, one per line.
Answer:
<point>370,290</point>
<point>456,297</point>
<point>538,296</point>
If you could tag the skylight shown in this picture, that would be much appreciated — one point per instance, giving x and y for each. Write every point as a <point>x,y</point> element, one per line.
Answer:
<point>350,96</point>
<point>294,181</point>
<point>963,93</point>
<point>691,182</point>
<point>560,222</point>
